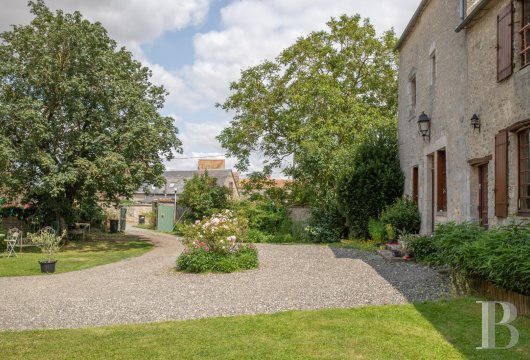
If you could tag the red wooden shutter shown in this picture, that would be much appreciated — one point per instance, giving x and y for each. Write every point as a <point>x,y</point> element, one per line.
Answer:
<point>441,179</point>
<point>501,174</point>
<point>415,184</point>
<point>504,42</point>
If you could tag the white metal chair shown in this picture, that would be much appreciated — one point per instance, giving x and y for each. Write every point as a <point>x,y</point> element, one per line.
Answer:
<point>14,236</point>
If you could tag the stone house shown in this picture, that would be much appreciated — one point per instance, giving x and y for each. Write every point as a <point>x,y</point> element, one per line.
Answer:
<point>464,110</point>
<point>175,181</point>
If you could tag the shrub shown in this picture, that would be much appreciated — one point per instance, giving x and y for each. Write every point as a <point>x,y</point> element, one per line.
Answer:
<point>201,259</point>
<point>257,236</point>
<point>220,233</point>
<point>214,244</point>
<point>373,182</point>
<point>180,228</point>
<point>150,217</point>
<point>203,197</point>
<point>499,255</point>
<point>403,215</point>
<point>2,232</point>
<point>265,215</point>
<point>325,225</point>
<point>424,249</point>
<point>48,242</point>
<point>377,231</point>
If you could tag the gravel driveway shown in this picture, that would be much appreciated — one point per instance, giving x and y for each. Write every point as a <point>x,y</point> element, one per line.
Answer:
<point>146,288</point>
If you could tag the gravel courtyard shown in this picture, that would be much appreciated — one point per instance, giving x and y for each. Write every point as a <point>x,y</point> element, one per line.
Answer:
<point>147,289</point>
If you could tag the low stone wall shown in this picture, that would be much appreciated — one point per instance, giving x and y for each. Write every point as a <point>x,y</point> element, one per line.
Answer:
<point>134,211</point>
<point>299,214</point>
<point>13,222</point>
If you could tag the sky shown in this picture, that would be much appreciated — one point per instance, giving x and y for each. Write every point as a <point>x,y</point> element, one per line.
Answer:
<point>195,48</point>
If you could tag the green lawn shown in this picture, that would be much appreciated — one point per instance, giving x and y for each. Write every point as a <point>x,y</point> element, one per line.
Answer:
<point>443,330</point>
<point>76,255</point>
<point>359,244</point>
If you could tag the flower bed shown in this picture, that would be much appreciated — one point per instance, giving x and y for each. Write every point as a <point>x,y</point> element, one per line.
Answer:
<point>214,244</point>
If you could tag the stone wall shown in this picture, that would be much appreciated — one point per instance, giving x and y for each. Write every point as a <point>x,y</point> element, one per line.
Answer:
<point>465,84</point>
<point>299,214</point>
<point>134,212</point>
<point>439,95</point>
<point>13,222</point>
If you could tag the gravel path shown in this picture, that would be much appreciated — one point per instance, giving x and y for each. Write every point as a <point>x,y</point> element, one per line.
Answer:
<point>147,289</point>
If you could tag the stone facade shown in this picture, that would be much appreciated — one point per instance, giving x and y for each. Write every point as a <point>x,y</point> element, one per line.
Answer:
<point>453,75</point>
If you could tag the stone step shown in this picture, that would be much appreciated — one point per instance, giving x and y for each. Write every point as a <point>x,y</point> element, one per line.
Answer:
<point>387,255</point>
<point>391,247</point>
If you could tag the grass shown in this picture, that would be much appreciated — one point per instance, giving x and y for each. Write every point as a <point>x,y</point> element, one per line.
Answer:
<point>77,255</point>
<point>443,330</point>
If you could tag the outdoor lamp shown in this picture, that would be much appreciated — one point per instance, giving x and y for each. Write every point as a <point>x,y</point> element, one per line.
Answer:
<point>424,126</point>
<point>475,122</point>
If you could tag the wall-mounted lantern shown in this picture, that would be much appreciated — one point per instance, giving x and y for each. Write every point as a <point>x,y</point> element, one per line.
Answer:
<point>475,122</point>
<point>424,126</point>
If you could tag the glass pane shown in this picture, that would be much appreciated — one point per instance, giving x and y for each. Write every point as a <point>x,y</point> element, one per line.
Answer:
<point>523,191</point>
<point>524,137</point>
<point>525,177</point>
<point>525,204</point>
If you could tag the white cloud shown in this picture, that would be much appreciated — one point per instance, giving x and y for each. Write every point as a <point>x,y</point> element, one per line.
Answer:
<point>133,21</point>
<point>251,31</point>
<point>256,30</point>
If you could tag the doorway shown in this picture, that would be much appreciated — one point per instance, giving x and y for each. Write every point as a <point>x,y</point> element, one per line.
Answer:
<point>483,194</point>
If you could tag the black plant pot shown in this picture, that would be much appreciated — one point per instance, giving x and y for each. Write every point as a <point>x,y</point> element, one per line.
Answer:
<point>47,267</point>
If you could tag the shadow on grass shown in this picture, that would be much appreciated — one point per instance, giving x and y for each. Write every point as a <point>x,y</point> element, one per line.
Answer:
<point>103,244</point>
<point>459,321</point>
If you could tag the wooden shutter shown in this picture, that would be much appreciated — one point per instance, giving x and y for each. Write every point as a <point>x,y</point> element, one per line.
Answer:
<point>415,184</point>
<point>504,42</point>
<point>441,182</point>
<point>501,174</point>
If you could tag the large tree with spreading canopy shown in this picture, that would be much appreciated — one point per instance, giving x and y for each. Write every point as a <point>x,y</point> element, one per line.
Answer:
<point>315,103</point>
<point>79,117</point>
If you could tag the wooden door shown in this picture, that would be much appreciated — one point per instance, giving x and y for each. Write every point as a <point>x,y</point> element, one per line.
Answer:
<point>483,194</point>
<point>432,199</point>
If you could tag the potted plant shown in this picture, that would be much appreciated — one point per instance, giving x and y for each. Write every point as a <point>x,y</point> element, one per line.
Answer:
<point>49,243</point>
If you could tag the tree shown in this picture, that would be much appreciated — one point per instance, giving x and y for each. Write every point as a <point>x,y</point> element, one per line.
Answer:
<point>373,182</point>
<point>203,197</point>
<point>314,103</point>
<point>79,118</point>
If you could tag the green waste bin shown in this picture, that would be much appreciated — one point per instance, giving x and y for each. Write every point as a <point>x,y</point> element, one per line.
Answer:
<point>114,226</point>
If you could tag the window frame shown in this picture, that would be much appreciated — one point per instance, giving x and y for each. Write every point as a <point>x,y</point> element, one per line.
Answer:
<point>413,92</point>
<point>432,59</point>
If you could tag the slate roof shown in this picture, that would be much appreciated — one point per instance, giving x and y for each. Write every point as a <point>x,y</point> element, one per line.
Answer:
<point>178,179</point>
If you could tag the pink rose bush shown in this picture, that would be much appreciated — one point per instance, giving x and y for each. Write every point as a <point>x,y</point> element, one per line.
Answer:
<point>215,244</point>
<point>221,233</point>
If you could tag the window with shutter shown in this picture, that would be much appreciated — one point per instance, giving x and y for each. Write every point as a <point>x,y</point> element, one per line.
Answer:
<point>501,174</point>
<point>525,34</point>
<point>524,171</point>
<point>415,184</point>
<point>504,42</point>
<point>441,181</point>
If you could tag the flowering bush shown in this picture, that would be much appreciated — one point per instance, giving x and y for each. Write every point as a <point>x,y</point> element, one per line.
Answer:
<point>199,260</point>
<point>222,233</point>
<point>214,244</point>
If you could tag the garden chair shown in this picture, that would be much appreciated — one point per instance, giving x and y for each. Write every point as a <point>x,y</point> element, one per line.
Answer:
<point>14,236</point>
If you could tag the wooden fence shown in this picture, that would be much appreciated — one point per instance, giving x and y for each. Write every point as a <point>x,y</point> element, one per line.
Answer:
<point>493,292</point>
